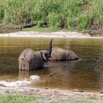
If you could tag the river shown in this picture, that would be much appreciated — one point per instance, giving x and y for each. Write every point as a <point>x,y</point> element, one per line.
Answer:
<point>84,74</point>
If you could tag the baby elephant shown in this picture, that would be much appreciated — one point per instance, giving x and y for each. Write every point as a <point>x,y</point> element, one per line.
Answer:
<point>59,54</point>
<point>31,60</point>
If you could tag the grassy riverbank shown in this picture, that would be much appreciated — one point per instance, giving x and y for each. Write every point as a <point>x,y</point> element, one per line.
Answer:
<point>71,14</point>
<point>47,95</point>
<point>11,98</point>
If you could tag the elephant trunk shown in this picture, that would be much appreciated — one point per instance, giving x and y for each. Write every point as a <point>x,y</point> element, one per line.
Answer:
<point>50,48</point>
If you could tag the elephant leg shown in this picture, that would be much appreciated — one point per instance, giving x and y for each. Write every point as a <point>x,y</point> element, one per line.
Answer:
<point>23,64</point>
<point>20,64</point>
<point>31,65</point>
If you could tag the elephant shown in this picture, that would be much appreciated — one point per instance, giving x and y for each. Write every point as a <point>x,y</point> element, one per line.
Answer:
<point>60,54</point>
<point>32,60</point>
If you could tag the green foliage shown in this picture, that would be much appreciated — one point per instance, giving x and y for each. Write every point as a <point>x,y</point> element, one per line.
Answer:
<point>80,14</point>
<point>53,19</point>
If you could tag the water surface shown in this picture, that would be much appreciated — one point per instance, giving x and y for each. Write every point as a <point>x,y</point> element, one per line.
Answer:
<point>85,74</point>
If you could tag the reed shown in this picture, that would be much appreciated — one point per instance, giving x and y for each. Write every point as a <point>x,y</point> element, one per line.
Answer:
<point>77,14</point>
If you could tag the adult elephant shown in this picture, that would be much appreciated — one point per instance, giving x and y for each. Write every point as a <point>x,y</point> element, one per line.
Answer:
<point>31,60</point>
<point>60,54</point>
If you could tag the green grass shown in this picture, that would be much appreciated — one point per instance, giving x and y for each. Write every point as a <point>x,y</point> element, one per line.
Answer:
<point>71,14</point>
<point>8,98</point>
<point>11,98</point>
<point>47,29</point>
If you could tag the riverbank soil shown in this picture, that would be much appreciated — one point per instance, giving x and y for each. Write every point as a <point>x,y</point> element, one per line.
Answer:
<point>50,93</point>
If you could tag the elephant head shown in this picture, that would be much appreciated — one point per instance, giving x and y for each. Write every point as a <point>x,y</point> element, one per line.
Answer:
<point>31,60</point>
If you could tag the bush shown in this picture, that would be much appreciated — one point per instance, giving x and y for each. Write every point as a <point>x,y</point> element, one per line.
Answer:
<point>82,14</point>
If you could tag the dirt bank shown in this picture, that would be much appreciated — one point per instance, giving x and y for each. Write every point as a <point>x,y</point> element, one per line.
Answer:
<point>59,34</point>
<point>50,93</point>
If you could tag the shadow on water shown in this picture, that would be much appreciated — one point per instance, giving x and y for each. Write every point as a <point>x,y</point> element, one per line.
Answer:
<point>85,74</point>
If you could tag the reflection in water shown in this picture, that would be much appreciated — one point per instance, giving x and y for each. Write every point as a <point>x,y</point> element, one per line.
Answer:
<point>85,74</point>
<point>57,74</point>
<point>23,74</point>
<point>60,73</point>
<point>99,68</point>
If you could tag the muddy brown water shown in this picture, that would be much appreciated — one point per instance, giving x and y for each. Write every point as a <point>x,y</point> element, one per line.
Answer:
<point>85,74</point>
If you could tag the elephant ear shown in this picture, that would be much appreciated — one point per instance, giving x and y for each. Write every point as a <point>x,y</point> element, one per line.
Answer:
<point>45,56</point>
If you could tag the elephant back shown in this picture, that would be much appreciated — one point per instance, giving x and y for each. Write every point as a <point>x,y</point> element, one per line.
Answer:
<point>58,54</point>
<point>71,55</point>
